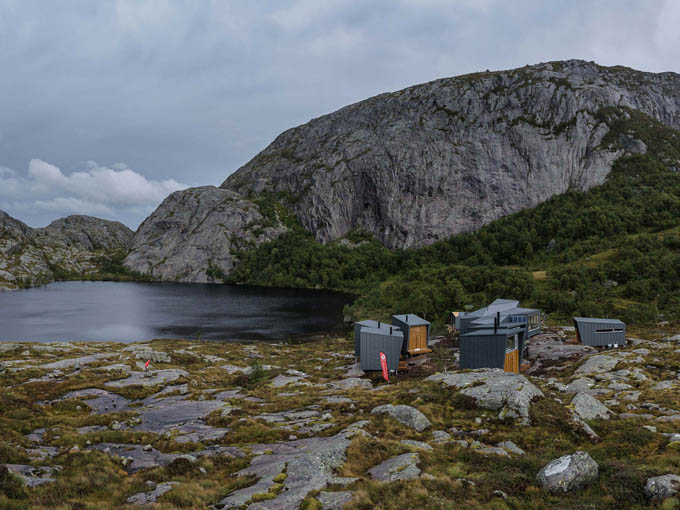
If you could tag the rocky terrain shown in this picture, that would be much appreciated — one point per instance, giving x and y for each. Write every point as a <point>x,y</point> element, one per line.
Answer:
<point>451,155</point>
<point>194,235</point>
<point>280,426</point>
<point>67,247</point>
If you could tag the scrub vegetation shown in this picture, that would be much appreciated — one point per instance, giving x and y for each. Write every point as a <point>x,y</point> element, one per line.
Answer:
<point>613,250</point>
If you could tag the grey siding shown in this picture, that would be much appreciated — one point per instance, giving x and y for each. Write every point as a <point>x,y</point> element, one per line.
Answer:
<point>588,332</point>
<point>373,342</point>
<point>482,351</point>
<point>365,324</point>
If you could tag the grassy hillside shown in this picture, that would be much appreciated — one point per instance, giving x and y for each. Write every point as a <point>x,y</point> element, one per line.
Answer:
<point>613,250</point>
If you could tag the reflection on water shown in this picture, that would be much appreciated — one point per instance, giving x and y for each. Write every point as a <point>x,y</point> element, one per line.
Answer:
<point>125,311</point>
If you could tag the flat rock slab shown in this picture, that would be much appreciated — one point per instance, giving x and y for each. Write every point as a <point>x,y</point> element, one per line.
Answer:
<point>309,464</point>
<point>171,412</point>
<point>75,362</point>
<point>597,365</point>
<point>33,476</point>
<point>406,415</point>
<point>568,472</point>
<point>352,383</point>
<point>282,380</point>
<point>401,467</point>
<point>100,401</point>
<point>146,498</point>
<point>153,378</point>
<point>494,389</point>
<point>589,408</point>
<point>150,458</point>
<point>334,500</point>
<point>420,445</point>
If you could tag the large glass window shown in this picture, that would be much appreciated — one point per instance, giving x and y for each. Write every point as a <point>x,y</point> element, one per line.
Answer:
<point>511,343</point>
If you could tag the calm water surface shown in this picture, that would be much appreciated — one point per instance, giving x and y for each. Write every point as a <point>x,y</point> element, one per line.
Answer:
<point>124,311</point>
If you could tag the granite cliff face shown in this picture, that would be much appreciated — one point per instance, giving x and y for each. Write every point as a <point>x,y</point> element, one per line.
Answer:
<point>69,245</point>
<point>427,162</point>
<point>194,234</point>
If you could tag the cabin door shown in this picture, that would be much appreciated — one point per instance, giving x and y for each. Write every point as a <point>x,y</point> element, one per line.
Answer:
<point>417,340</point>
<point>512,361</point>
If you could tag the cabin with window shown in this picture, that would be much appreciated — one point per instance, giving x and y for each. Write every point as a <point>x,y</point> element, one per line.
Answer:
<point>358,326</point>
<point>600,332</point>
<point>506,311</point>
<point>373,341</point>
<point>492,348</point>
<point>416,334</point>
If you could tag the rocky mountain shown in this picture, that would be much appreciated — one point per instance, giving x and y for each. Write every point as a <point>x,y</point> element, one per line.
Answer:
<point>194,234</point>
<point>69,246</point>
<point>451,155</point>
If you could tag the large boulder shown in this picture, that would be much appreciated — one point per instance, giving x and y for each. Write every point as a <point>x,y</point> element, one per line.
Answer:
<point>568,472</point>
<point>494,389</point>
<point>662,487</point>
<point>406,415</point>
<point>589,408</point>
<point>401,467</point>
<point>597,365</point>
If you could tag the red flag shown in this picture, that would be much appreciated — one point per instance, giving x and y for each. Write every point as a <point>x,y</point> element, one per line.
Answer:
<point>383,364</point>
<point>146,365</point>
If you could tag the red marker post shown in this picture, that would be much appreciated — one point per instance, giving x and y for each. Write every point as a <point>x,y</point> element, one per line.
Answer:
<point>146,365</point>
<point>383,364</point>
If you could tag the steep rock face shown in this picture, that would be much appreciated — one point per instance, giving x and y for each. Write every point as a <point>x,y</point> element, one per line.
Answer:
<point>194,233</point>
<point>424,163</point>
<point>70,245</point>
<point>86,233</point>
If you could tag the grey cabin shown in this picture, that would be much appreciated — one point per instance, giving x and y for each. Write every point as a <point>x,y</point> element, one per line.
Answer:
<point>358,326</point>
<point>507,311</point>
<point>600,332</point>
<point>492,348</point>
<point>373,341</point>
<point>416,333</point>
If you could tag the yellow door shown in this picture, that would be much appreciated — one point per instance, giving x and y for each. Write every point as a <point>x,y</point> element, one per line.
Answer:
<point>512,361</point>
<point>417,340</point>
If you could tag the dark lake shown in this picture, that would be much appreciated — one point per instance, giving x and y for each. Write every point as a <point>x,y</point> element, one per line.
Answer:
<point>124,311</point>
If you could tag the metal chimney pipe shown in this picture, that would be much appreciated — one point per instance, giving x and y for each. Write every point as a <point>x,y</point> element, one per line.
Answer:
<point>407,318</point>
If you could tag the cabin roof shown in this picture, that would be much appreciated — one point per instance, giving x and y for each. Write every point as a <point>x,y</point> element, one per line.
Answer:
<point>384,331</point>
<point>594,320</point>
<point>413,320</point>
<point>488,319</point>
<point>499,305</point>
<point>490,332</point>
<point>370,323</point>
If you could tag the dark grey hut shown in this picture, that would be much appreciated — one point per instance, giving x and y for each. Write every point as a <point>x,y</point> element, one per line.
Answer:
<point>358,326</point>
<point>373,341</point>
<point>492,348</point>
<point>416,333</point>
<point>600,332</point>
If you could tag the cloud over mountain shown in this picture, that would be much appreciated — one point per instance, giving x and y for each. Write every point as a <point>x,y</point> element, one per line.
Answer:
<point>116,192</point>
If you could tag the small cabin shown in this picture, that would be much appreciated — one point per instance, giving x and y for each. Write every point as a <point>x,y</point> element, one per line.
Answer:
<point>358,326</point>
<point>373,341</point>
<point>600,332</point>
<point>492,348</point>
<point>416,333</point>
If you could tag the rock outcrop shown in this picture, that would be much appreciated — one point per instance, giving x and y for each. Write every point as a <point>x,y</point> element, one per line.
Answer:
<point>568,473</point>
<point>451,155</point>
<point>194,234</point>
<point>71,246</point>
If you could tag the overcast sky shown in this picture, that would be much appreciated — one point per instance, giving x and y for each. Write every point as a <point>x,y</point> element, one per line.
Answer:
<point>108,106</point>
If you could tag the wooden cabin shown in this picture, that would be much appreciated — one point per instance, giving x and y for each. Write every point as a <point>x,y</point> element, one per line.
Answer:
<point>506,311</point>
<point>416,334</point>
<point>600,332</point>
<point>492,348</point>
<point>373,341</point>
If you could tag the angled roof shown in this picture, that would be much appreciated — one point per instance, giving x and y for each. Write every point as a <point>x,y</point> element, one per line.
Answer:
<point>384,331</point>
<point>499,305</point>
<point>488,319</point>
<point>370,323</point>
<point>490,332</point>
<point>594,320</point>
<point>413,320</point>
